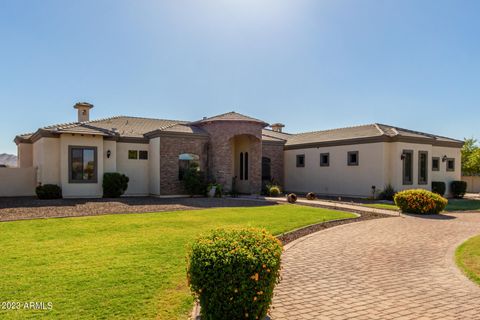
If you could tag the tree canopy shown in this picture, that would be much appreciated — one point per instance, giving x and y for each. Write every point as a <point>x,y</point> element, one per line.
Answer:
<point>471,157</point>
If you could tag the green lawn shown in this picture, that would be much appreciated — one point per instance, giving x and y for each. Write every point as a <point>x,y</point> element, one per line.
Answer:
<point>128,266</point>
<point>468,258</point>
<point>453,205</point>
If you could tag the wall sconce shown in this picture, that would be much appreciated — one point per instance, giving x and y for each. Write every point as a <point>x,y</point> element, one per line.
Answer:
<point>444,159</point>
<point>109,153</point>
<point>402,156</point>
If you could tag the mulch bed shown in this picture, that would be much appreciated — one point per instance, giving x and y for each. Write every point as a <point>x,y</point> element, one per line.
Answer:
<point>296,234</point>
<point>32,208</point>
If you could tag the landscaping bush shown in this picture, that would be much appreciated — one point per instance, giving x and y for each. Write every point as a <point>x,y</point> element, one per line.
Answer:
<point>459,188</point>
<point>274,191</point>
<point>420,201</point>
<point>218,189</point>
<point>439,187</point>
<point>292,198</point>
<point>388,193</point>
<point>114,184</point>
<point>233,273</point>
<point>48,191</point>
<point>194,181</point>
<point>311,196</point>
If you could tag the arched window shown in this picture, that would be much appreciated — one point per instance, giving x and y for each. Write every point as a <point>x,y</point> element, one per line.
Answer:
<point>266,169</point>
<point>186,161</point>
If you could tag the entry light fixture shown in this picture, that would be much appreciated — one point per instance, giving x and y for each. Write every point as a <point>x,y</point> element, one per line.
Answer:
<point>402,156</point>
<point>444,158</point>
<point>109,153</point>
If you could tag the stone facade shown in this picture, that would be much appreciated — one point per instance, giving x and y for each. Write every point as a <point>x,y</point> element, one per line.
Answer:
<point>221,162</point>
<point>170,149</point>
<point>274,151</point>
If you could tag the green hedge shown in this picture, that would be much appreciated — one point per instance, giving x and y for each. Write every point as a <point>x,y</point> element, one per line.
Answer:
<point>459,188</point>
<point>233,273</point>
<point>114,184</point>
<point>420,201</point>
<point>48,191</point>
<point>439,187</point>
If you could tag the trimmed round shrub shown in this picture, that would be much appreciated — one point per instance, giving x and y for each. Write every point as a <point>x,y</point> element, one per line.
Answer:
<point>459,188</point>
<point>439,187</point>
<point>48,191</point>
<point>311,196</point>
<point>420,201</point>
<point>274,191</point>
<point>292,198</point>
<point>233,273</point>
<point>114,184</point>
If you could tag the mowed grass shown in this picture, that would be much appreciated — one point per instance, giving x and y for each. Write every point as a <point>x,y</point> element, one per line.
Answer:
<point>468,258</point>
<point>129,266</point>
<point>453,205</point>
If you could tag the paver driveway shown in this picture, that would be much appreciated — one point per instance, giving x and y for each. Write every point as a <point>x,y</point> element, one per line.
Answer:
<point>394,268</point>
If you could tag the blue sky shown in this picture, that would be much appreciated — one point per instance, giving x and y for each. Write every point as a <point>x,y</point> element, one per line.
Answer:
<point>311,64</point>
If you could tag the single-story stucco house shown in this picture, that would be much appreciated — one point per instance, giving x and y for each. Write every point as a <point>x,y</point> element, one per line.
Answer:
<point>153,153</point>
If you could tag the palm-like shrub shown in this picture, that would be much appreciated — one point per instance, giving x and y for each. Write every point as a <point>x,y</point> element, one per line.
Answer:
<point>420,201</point>
<point>274,190</point>
<point>233,273</point>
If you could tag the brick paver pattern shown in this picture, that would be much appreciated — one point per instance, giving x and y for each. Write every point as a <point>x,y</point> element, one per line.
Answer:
<point>395,268</point>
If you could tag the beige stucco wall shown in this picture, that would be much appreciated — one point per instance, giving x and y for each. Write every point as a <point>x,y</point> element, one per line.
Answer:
<point>338,178</point>
<point>17,182</point>
<point>25,155</point>
<point>395,177</point>
<point>154,166</point>
<point>80,190</point>
<point>473,183</point>
<point>137,170</point>
<point>110,164</point>
<point>46,158</point>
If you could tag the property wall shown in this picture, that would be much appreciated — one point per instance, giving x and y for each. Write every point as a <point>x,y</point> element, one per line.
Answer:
<point>338,178</point>
<point>473,184</point>
<point>80,190</point>
<point>46,158</point>
<point>136,169</point>
<point>25,155</point>
<point>274,151</point>
<point>154,166</point>
<point>17,182</point>
<point>170,149</point>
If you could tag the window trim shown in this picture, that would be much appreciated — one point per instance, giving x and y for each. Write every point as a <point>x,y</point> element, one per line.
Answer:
<point>448,160</point>
<point>421,181</point>
<point>95,160</point>
<point>438,167</point>
<point>404,181</point>
<point>128,154</point>
<point>266,161</point>
<point>144,152</point>
<point>351,163</point>
<point>325,164</point>
<point>298,160</point>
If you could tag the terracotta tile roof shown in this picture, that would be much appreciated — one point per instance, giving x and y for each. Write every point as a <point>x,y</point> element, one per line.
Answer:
<point>271,135</point>
<point>230,116</point>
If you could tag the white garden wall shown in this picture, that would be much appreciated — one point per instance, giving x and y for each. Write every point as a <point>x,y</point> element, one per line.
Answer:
<point>17,182</point>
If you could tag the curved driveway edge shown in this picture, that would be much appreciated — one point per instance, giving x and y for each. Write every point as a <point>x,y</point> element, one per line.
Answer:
<point>398,268</point>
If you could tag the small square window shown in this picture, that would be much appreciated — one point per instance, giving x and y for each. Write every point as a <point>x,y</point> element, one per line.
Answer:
<point>450,164</point>
<point>353,158</point>
<point>133,154</point>
<point>324,159</point>
<point>300,160</point>
<point>143,155</point>
<point>435,164</point>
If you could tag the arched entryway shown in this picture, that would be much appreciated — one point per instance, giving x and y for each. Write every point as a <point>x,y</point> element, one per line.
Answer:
<point>244,155</point>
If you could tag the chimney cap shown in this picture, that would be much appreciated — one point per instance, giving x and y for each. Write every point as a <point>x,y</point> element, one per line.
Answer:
<point>83,105</point>
<point>280,125</point>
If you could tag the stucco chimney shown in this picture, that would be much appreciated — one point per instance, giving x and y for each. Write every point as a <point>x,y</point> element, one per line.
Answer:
<point>277,127</point>
<point>83,109</point>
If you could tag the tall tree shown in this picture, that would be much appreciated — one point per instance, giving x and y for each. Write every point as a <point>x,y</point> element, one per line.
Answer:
<point>471,157</point>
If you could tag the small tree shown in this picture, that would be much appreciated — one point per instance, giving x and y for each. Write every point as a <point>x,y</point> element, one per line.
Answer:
<point>471,157</point>
<point>194,180</point>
